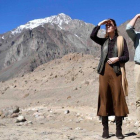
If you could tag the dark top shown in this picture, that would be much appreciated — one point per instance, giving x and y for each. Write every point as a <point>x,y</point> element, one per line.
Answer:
<point>111,44</point>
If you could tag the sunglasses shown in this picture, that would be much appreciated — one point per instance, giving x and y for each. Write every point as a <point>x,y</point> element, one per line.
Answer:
<point>108,25</point>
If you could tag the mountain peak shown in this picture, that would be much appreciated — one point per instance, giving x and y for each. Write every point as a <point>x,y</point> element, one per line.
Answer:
<point>57,19</point>
<point>64,17</point>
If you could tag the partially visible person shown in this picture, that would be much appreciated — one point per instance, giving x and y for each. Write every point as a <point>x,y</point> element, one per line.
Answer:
<point>111,100</point>
<point>135,36</point>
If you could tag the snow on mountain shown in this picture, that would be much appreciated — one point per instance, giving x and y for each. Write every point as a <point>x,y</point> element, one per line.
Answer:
<point>59,20</point>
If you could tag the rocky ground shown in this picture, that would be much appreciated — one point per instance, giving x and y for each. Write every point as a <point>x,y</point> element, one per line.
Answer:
<point>58,101</point>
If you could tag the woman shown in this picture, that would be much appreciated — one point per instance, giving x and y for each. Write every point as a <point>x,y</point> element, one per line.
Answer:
<point>111,95</point>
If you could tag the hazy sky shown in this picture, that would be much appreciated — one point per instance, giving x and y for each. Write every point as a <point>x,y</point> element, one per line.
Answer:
<point>18,12</point>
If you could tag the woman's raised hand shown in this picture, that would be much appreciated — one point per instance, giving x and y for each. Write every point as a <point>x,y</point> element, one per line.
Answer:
<point>104,22</point>
<point>138,15</point>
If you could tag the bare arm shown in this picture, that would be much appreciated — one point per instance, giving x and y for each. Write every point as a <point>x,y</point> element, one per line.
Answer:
<point>133,21</point>
<point>130,28</point>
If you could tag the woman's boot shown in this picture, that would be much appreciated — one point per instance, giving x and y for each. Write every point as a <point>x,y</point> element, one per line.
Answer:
<point>119,134</point>
<point>105,127</point>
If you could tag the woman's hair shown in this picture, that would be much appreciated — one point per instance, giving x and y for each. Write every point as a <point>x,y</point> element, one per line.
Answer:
<point>116,31</point>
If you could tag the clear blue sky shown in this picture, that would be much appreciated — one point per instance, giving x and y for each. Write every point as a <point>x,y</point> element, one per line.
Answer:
<point>17,12</point>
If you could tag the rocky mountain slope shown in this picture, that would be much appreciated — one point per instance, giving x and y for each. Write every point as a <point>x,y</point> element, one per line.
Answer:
<point>41,40</point>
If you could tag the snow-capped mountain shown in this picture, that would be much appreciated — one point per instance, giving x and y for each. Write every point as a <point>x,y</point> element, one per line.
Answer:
<point>59,20</point>
<point>41,40</point>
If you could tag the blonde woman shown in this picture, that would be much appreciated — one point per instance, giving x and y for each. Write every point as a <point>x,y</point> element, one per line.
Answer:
<point>111,95</point>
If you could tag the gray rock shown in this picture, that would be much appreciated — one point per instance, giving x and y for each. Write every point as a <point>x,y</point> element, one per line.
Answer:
<point>16,109</point>
<point>20,119</point>
<point>67,112</point>
<point>7,112</point>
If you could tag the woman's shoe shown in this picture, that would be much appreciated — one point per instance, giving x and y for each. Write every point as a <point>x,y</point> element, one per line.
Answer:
<point>105,134</point>
<point>119,134</point>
